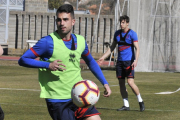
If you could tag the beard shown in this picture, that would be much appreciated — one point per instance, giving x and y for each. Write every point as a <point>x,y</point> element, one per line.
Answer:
<point>63,32</point>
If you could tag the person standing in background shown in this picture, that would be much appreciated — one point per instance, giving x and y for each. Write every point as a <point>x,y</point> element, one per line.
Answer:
<point>127,40</point>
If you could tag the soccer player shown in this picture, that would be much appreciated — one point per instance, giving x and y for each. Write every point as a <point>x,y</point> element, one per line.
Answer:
<point>127,60</point>
<point>59,68</point>
<point>1,111</point>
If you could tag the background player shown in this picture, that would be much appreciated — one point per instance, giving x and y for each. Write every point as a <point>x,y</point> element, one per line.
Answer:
<point>59,68</point>
<point>127,60</point>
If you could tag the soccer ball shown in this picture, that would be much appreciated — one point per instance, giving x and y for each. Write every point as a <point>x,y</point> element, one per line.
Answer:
<point>85,94</point>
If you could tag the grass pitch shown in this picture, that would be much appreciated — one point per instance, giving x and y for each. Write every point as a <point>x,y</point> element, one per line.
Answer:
<point>19,95</point>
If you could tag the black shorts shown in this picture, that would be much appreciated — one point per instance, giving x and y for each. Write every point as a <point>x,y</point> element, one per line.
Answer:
<point>124,69</point>
<point>69,111</point>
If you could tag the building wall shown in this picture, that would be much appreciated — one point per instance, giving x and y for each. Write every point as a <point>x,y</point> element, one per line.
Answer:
<point>36,5</point>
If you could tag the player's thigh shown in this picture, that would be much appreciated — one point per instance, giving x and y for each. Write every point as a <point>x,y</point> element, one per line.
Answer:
<point>84,113</point>
<point>129,70</point>
<point>95,117</point>
<point>61,111</point>
<point>120,72</point>
<point>121,81</point>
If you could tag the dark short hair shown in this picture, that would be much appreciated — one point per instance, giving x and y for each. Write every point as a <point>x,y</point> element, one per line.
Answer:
<point>125,18</point>
<point>67,8</point>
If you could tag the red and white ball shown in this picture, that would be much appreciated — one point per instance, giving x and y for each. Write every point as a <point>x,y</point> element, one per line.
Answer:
<point>85,93</point>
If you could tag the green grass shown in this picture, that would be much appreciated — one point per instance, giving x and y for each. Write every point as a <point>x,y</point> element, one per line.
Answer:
<point>19,95</point>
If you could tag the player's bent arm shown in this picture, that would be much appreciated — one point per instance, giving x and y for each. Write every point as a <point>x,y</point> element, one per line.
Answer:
<point>1,50</point>
<point>112,47</point>
<point>28,60</point>
<point>93,66</point>
<point>134,64</point>
<point>108,52</point>
<point>42,47</point>
<point>136,45</point>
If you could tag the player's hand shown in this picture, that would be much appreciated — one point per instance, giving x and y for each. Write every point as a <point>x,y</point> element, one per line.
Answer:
<point>134,64</point>
<point>100,61</point>
<point>107,91</point>
<point>55,65</point>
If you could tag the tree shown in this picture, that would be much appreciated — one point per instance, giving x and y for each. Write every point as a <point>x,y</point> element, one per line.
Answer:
<point>55,3</point>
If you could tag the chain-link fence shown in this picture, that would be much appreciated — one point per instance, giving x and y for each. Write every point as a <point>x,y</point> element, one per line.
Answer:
<point>156,23</point>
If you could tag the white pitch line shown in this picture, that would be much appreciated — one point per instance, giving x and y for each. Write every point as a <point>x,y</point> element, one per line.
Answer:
<point>138,109</point>
<point>162,110</point>
<point>168,92</point>
<point>109,86</point>
<point>18,89</point>
<point>38,90</point>
<point>113,85</point>
<point>34,89</point>
<point>24,105</point>
<point>90,71</point>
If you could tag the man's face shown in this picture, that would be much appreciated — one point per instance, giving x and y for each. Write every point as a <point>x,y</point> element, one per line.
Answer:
<point>64,23</point>
<point>124,24</point>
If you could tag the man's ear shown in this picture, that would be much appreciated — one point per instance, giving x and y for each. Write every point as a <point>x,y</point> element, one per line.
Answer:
<point>73,21</point>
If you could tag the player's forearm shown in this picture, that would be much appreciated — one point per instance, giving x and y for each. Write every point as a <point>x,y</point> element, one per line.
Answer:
<point>95,69</point>
<point>106,54</point>
<point>137,54</point>
<point>28,60</point>
<point>136,45</point>
<point>32,63</point>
